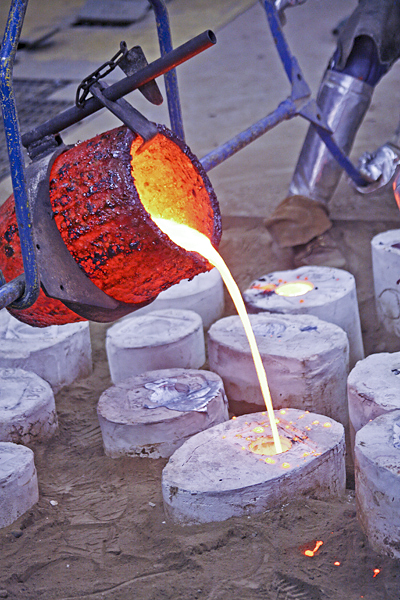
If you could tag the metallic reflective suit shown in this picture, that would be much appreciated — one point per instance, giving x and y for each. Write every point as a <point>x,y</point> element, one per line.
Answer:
<point>368,44</point>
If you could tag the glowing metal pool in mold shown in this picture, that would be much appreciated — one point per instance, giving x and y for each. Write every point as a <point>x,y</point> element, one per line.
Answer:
<point>216,474</point>
<point>291,289</point>
<point>325,292</point>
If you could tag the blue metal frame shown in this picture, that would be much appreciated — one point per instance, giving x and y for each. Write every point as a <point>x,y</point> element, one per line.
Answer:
<point>310,110</point>
<point>29,286</point>
<point>23,291</point>
<point>299,103</point>
<point>170,78</point>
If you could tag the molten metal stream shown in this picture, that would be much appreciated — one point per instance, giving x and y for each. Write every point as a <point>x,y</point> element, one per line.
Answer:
<point>193,241</point>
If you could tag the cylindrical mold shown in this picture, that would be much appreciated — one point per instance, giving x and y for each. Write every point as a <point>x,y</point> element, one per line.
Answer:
<point>204,294</point>
<point>373,388</point>
<point>162,339</point>
<point>101,194</point>
<point>59,354</point>
<point>377,477</point>
<point>151,415</point>
<point>325,292</point>
<point>18,482</point>
<point>27,407</point>
<point>222,472</point>
<point>305,359</point>
<point>386,268</point>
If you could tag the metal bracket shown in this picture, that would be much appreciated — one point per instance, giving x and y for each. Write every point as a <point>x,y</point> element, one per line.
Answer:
<point>133,61</point>
<point>44,146</point>
<point>130,61</point>
<point>300,89</point>
<point>131,117</point>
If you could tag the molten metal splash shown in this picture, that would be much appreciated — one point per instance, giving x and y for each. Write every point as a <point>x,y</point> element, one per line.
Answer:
<point>265,445</point>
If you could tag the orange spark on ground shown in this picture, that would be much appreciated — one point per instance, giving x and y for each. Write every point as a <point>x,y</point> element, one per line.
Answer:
<point>376,572</point>
<point>312,552</point>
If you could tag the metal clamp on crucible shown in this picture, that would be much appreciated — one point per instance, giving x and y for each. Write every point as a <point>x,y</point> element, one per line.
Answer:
<point>130,62</point>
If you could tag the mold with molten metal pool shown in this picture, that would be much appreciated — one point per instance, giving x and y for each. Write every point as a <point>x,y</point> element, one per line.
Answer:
<point>222,472</point>
<point>325,292</point>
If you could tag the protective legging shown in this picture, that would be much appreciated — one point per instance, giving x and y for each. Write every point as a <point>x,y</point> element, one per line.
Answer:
<point>363,61</point>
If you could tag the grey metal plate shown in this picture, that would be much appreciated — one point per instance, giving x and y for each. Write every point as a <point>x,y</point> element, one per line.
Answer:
<point>112,11</point>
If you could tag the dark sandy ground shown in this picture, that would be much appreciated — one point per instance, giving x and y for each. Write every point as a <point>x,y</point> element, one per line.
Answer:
<point>107,538</point>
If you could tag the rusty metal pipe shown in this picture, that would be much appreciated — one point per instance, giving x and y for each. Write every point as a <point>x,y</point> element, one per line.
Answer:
<point>124,86</point>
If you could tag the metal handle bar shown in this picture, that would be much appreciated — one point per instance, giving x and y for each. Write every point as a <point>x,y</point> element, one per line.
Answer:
<point>124,86</point>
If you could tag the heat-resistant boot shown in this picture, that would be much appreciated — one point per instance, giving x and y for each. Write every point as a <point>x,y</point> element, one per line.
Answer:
<point>302,218</point>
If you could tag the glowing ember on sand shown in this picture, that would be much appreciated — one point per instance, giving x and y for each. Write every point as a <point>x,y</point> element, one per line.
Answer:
<point>316,548</point>
<point>194,241</point>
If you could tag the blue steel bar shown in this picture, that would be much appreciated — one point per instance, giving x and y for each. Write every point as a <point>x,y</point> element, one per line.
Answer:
<point>14,147</point>
<point>170,78</point>
<point>279,39</point>
<point>341,157</point>
<point>287,61</point>
<point>285,110</point>
<point>9,292</point>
